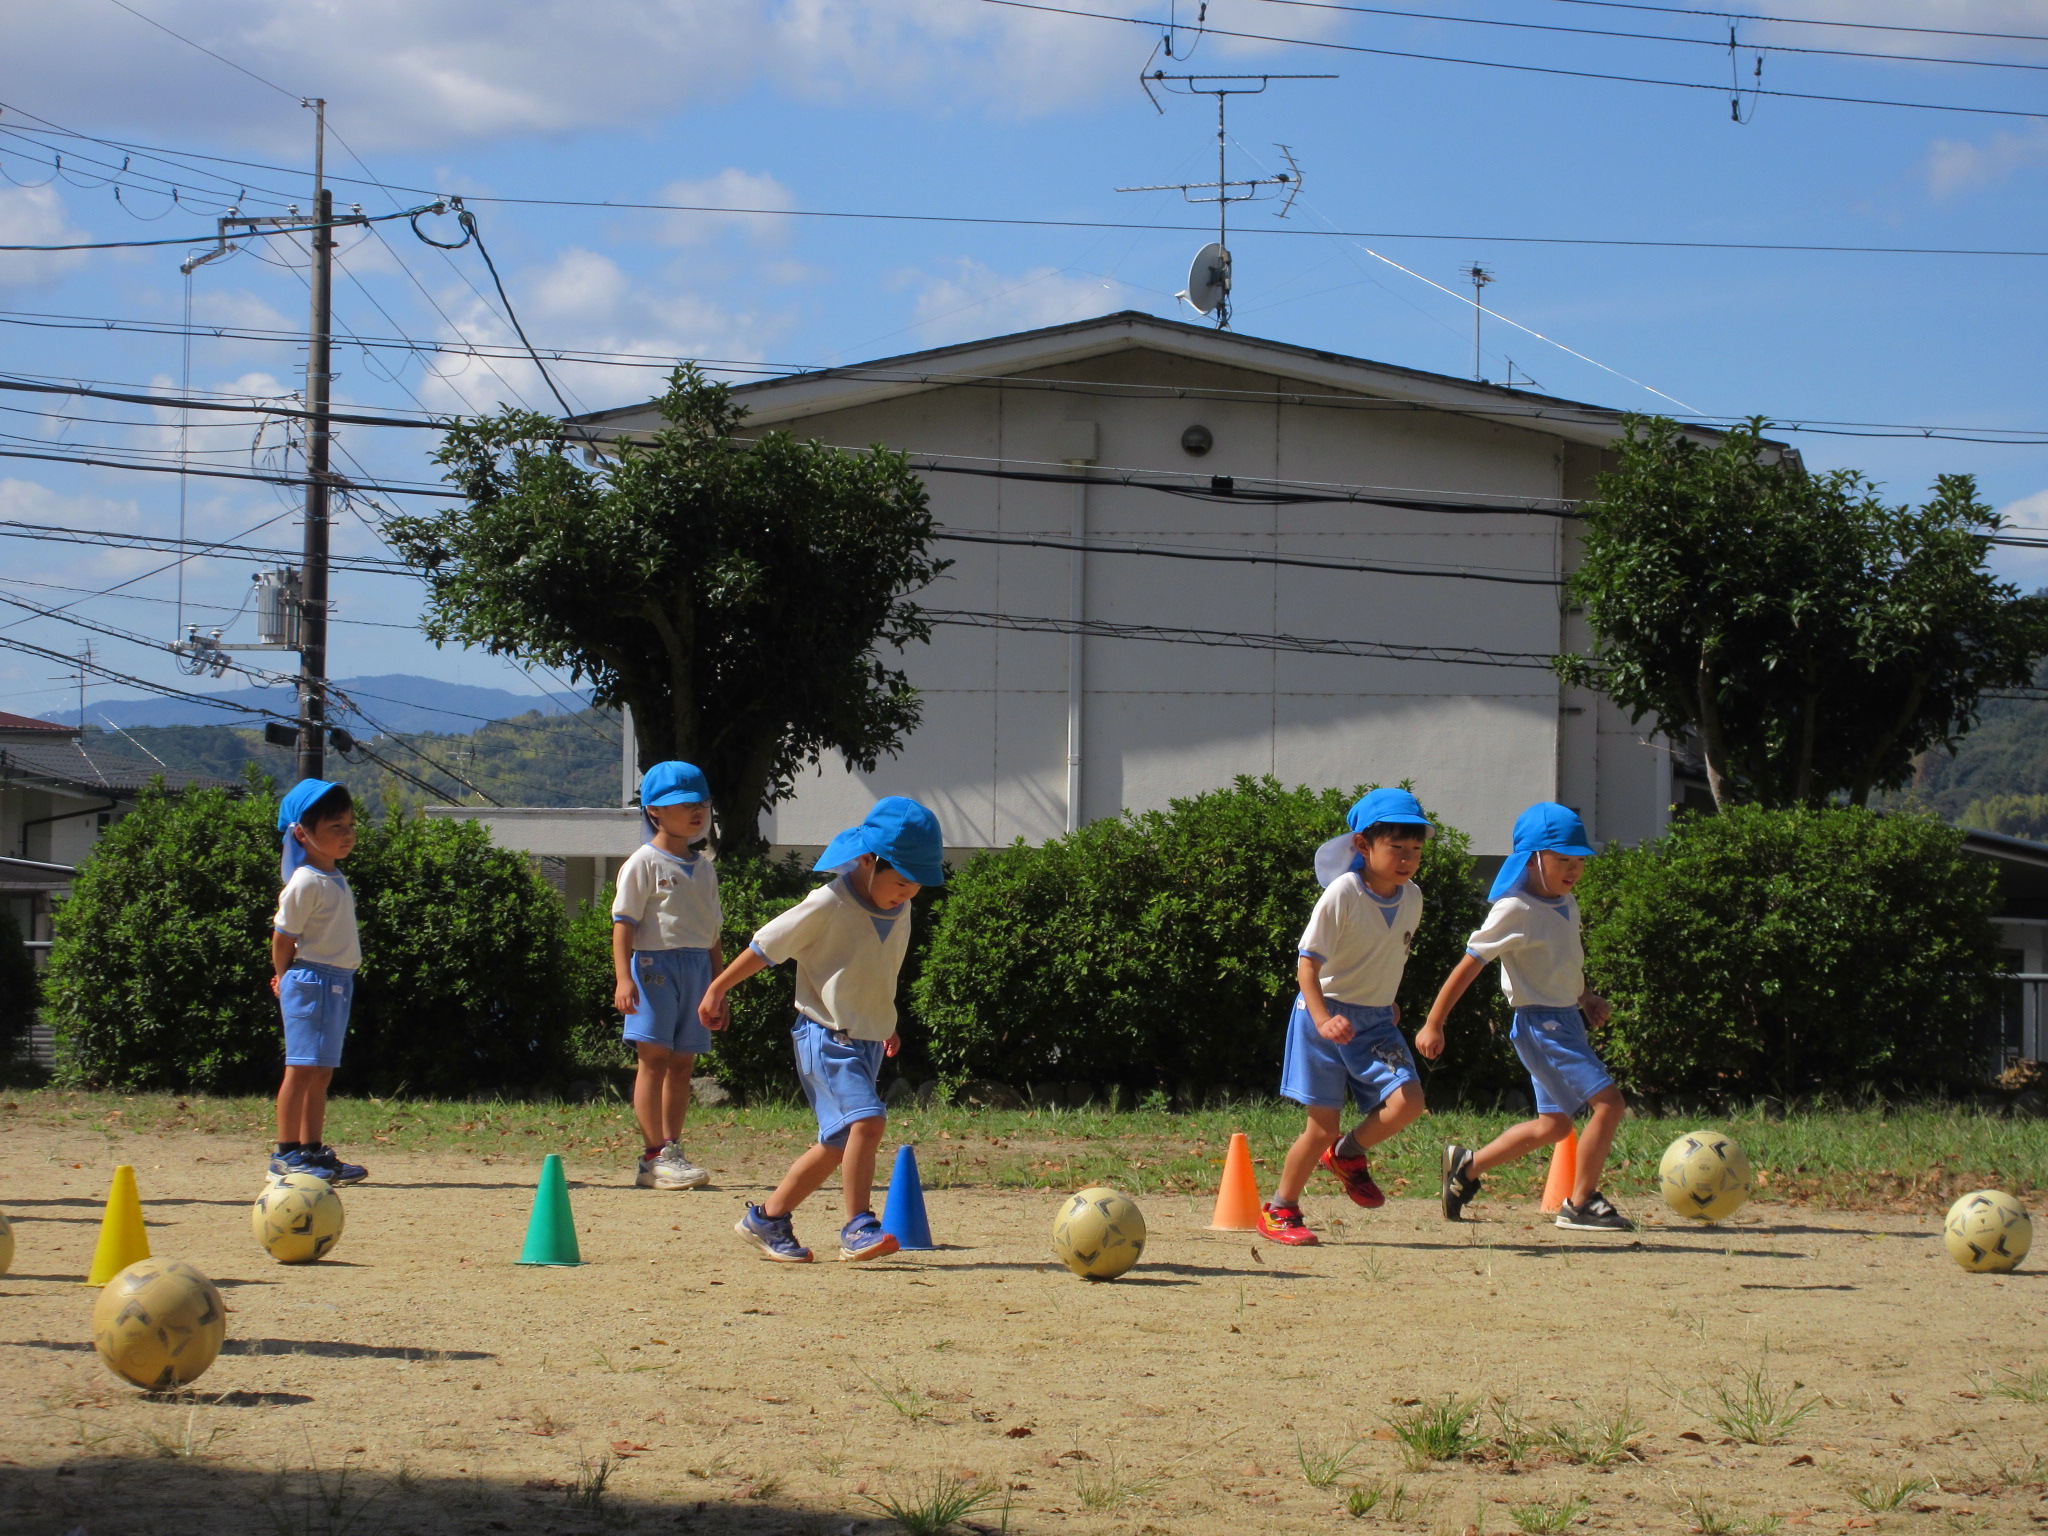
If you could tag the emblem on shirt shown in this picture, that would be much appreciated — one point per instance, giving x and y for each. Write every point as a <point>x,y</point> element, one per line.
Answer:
<point>1408,939</point>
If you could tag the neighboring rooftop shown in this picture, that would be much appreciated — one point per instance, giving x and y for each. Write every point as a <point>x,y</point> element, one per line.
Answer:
<point>10,725</point>
<point>66,764</point>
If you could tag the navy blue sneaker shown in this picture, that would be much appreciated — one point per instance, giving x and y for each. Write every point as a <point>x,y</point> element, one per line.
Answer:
<point>323,1161</point>
<point>773,1235</point>
<point>863,1238</point>
<point>294,1161</point>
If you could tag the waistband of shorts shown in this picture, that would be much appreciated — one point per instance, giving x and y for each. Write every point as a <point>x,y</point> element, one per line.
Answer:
<point>324,972</point>
<point>680,949</point>
<point>1548,1011</point>
<point>1367,1013</point>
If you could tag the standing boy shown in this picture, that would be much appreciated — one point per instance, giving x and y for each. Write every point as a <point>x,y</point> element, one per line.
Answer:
<point>848,940</point>
<point>1343,1037</point>
<point>314,955</point>
<point>665,948</point>
<point>1533,930</point>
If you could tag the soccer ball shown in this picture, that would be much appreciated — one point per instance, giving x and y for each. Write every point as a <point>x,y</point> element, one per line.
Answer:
<point>1099,1233</point>
<point>1705,1176</point>
<point>1988,1232</point>
<point>159,1323</point>
<point>297,1218</point>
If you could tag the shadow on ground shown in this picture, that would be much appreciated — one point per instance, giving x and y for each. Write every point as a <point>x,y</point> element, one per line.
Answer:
<point>187,1493</point>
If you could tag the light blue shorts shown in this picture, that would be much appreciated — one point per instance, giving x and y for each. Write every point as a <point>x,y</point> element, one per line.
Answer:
<point>1562,1067</point>
<point>838,1073</point>
<point>1371,1064</point>
<point>671,983</point>
<point>315,1001</point>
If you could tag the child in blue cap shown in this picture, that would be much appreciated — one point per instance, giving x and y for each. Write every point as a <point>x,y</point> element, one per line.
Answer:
<point>848,940</point>
<point>665,948</point>
<point>1533,930</point>
<point>314,955</point>
<point>1343,1037</point>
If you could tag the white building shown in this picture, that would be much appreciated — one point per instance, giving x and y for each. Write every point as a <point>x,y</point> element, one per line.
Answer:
<point>1065,686</point>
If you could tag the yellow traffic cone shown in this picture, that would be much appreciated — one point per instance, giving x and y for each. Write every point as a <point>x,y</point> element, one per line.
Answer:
<point>122,1240</point>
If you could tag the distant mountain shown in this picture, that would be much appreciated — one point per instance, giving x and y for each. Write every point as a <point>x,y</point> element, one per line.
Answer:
<point>398,702</point>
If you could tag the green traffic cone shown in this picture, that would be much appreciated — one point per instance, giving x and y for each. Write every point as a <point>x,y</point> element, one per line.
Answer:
<point>551,1230</point>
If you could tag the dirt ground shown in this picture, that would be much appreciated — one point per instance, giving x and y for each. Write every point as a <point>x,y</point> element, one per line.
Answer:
<point>420,1381</point>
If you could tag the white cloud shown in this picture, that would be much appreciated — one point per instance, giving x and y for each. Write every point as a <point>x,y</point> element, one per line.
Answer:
<point>1956,166</point>
<point>734,189</point>
<point>35,216</point>
<point>975,300</point>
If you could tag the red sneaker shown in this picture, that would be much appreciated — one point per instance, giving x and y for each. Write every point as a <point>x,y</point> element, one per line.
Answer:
<point>1355,1174</point>
<point>1283,1224</point>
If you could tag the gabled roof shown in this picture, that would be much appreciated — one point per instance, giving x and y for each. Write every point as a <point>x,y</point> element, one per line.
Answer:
<point>68,766</point>
<point>797,395</point>
<point>12,723</point>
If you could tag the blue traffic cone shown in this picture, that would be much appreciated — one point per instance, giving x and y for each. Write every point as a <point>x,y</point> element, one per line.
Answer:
<point>903,1217</point>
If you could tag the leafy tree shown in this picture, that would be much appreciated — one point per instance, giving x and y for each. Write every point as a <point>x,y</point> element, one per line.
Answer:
<point>2013,815</point>
<point>1815,638</point>
<point>1794,952</point>
<point>1158,950</point>
<point>736,594</point>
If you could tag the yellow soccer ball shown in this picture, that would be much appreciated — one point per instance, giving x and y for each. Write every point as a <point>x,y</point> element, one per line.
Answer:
<point>1988,1232</point>
<point>1099,1233</point>
<point>1705,1176</point>
<point>297,1218</point>
<point>159,1323</point>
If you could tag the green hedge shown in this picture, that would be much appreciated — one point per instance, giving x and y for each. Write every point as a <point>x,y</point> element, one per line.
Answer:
<point>1157,951</point>
<point>1794,953</point>
<point>160,973</point>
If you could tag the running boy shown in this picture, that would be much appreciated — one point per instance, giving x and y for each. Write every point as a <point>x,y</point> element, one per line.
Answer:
<point>1343,1038</point>
<point>314,954</point>
<point>1533,930</point>
<point>665,948</point>
<point>848,939</point>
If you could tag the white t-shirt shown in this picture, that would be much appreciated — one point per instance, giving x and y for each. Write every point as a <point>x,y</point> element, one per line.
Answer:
<point>847,957</point>
<point>1362,939</point>
<point>672,902</point>
<point>1536,940</point>
<point>319,910</point>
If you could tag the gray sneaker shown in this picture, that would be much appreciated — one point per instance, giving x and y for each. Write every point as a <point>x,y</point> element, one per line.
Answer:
<point>1596,1215</point>
<point>674,1170</point>
<point>1460,1187</point>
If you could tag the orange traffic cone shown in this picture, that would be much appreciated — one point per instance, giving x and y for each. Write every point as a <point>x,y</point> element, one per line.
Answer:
<point>1237,1198</point>
<point>1564,1173</point>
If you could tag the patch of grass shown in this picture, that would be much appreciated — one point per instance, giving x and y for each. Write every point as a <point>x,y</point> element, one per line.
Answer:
<point>1391,1500</point>
<point>2022,1387</point>
<point>1110,1484</point>
<point>1541,1519</point>
<point>1600,1442</point>
<point>904,1398</point>
<point>1756,1410</point>
<point>1322,1466</point>
<point>1441,1429</point>
<point>1515,1437</point>
<point>1880,1498</point>
<point>186,1443</point>
<point>593,1478</point>
<point>1708,1519</point>
<point>935,1505</point>
<point>319,1503</point>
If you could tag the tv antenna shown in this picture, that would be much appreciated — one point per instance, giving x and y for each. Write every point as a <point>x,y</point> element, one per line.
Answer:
<point>1208,290</point>
<point>1478,277</point>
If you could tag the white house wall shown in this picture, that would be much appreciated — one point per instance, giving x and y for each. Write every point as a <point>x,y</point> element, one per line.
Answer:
<point>1167,720</point>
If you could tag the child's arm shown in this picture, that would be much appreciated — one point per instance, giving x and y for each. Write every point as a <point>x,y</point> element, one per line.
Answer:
<point>1595,1007</point>
<point>1334,1028</point>
<point>1430,1038</point>
<point>711,1011</point>
<point>625,994</point>
<point>283,950</point>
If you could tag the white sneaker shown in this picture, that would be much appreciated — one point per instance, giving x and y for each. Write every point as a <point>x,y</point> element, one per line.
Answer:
<point>674,1170</point>
<point>648,1176</point>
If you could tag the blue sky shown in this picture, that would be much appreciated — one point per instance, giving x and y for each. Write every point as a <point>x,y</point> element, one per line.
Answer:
<point>965,108</point>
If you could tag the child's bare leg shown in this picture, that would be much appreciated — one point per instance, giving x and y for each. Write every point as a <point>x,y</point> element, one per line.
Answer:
<point>675,1094</point>
<point>1520,1140</point>
<point>857,1176</point>
<point>1596,1141</point>
<point>1315,1139</point>
<point>650,1091</point>
<point>1399,1110</point>
<point>302,1104</point>
<point>803,1179</point>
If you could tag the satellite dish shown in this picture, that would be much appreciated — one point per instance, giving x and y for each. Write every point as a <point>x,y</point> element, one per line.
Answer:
<point>1208,279</point>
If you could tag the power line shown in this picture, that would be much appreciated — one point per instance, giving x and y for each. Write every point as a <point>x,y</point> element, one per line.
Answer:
<point>1233,558</point>
<point>108,538</point>
<point>1176,635</point>
<point>254,233</point>
<point>1277,230</point>
<point>1808,21</point>
<point>1527,69</point>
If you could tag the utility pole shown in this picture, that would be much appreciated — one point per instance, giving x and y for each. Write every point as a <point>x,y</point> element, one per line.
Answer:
<point>1478,277</point>
<point>312,762</point>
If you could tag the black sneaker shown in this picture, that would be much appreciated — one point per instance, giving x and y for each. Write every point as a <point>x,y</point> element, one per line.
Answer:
<point>1596,1215</point>
<point>1460,1186</point>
